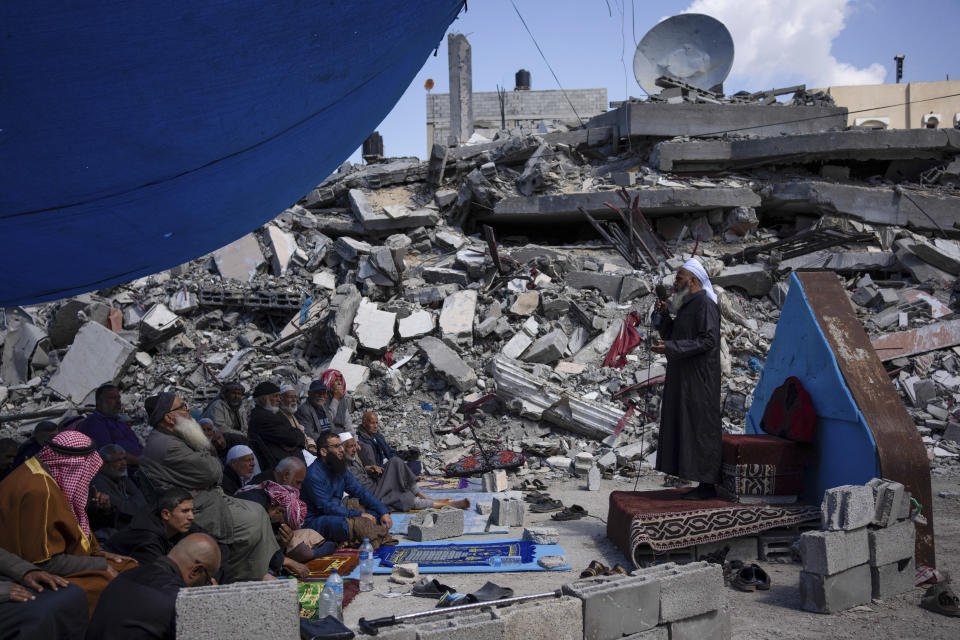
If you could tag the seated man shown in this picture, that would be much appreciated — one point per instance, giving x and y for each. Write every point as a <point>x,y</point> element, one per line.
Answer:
<point>43,510</point>
<point>122,496</point>
<point>225,409</point>
<point>8,453</point>
<point>369,434</point>
<point>142,603</point>
<point>36,605</point>
<point>178,454</point>
<point>222,442</point>
<point>288,409</point>
<point>41,436</point>
<point>278,436</point>
<point>323,488</point>
<point>394,485</point>
<point>154,532</point>
<point>339,404</point>
<point>104,427</point>
<point>311,413</point>
<point>239,468</point>
<point>290,472</point>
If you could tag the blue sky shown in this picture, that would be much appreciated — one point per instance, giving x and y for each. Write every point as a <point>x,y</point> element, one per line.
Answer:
<point>778,43</point>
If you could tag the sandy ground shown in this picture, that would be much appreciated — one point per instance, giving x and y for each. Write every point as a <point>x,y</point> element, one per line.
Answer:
<point>754,616</point>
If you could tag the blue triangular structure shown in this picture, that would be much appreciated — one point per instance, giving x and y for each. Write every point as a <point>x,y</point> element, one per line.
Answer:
<point>847,452</point>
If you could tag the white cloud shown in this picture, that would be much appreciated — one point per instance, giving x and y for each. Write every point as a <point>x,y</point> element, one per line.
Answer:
<point>785,42</point>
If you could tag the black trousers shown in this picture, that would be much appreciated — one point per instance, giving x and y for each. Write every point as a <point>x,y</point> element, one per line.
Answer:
<point>54,615</point>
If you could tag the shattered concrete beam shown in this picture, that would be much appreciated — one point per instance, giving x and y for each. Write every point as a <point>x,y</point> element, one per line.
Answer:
<point>931,337</point>
<point>514,151</point>
<point>876,205</point>
<point>895,144</point>
<point>638,119</point>
<point>652,202</point>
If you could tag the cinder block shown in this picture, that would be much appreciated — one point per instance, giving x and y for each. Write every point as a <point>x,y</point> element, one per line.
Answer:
<point>892,502</point>
<point>744,548</point>
<point>250,610</point>
<point>485,625</point>
<point>892,579</point>
<point>707,626</point>
<point>436,524</point>
<point>617,607</point>
<point>892,543</point>
<point>847,507</point>
<point>554,619</point>
<point>541,535</point>
<point>689,590</point>
<point>830,552</point>
<point>829,594</point>
<point>507,512</point>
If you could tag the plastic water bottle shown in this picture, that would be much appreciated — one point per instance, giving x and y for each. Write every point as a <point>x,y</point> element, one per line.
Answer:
<point>505,561</point>
<point>335,583</point>
<point>327,604</point>
<point>366,565</point>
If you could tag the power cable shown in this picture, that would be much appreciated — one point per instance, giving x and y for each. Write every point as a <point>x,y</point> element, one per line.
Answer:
<point>530,33</point>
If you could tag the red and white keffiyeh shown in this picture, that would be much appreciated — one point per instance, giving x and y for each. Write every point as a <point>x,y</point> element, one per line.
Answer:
<point>73,461</point>
<point>289,497</point>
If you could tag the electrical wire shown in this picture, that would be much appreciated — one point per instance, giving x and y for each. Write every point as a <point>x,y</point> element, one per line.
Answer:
<point>530,33</point>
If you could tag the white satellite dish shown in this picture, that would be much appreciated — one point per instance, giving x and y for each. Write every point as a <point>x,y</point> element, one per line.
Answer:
<point>691,47</point>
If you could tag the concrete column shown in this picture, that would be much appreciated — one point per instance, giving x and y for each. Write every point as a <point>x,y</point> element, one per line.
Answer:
<point>461,88</point>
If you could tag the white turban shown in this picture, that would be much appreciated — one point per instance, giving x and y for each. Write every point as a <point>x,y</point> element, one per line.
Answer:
<point>693,266</point>
<point>287,387</point>
<point>238,451</point>
<point>346,435</point>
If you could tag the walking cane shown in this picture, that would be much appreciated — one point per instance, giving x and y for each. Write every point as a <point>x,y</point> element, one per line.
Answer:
<point>372,627</point>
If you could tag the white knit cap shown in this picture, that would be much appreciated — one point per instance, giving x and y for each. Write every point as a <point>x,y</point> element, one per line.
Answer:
<point>696,268</point>
<point>346,435</point>
<point>238,451</point>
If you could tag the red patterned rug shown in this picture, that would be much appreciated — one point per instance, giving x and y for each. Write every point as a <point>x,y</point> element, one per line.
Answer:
<point>663,521</point>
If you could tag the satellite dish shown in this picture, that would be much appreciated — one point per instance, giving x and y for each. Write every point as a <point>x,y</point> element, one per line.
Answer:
<point>692,47</point>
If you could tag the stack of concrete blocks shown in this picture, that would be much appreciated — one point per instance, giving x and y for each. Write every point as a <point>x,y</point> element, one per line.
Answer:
<point>679,602</point>
<point>864,550</point>
<point>436,524</point>
<point>247,610</point>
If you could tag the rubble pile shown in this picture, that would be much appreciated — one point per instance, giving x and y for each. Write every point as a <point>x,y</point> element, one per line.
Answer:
<point>385,272</point>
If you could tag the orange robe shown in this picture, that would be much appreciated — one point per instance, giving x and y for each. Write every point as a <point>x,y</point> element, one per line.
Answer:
<point>38,524</point>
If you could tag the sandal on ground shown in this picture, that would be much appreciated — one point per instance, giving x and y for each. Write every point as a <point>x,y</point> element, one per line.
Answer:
<point>536,496</point>
<point>593,569</point>
<point>941,599</point>
<point>762,578</point>
<point>573,512</point>
<point>490,592</point>
<point>431,589</point>
<point>618,569</point>
<point>546,506</point>
<point>745,580</point>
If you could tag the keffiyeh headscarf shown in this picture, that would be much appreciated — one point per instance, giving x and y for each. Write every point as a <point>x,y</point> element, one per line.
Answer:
<point>289,497</point>
<point>696,268</point>
<point>330,375</point>
<point>73,461</point>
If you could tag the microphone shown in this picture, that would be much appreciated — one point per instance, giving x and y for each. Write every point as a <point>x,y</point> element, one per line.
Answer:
<point>662,293</point>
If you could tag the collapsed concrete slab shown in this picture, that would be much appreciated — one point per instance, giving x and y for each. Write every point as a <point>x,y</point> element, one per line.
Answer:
<point>374,328</point>
<point>239,259</point>
<point>98,355</point>
<point>719,155</point>
<point>395,219</point>
<point>446,361</point>
<point>283,245</point>
<point>621,288</point>
<point>456,317</point>
<point>418,323</point>
<point>653,202</point>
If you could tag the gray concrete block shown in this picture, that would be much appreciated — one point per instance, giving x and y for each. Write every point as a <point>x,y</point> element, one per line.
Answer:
<point>689,590</point>
<point>829,594</point>
<point>714,625</point>
<point>547,348</point>
<point>892,502</point>
<point>744,548</point>
<point>436,524</point>
<point>554,619</point>
<point>97,355</point>
<point>892,579</point>
<point>892,543</point>
<point>485,625</point>
<point>754,279</point>
<point>847,507</point>
<point>249,610</point>
<point>507,512</point>
<point>830,552</point>
<point>617,607</point>
<point>541,535</point>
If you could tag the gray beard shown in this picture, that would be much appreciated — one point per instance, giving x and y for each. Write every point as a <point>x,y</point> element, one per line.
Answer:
<point>288,409</point>
<point>271,408</point>
<point>192,433</point>
<point>676,300</point>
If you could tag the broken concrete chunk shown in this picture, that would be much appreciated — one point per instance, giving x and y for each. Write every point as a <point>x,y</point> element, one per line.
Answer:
<point>159,324</point>
<point>620,288</point>
<point>239,259</point>
<point>374,328</point>
<point>548,348</point>
<point>445,197</point>
<point>436,524</point>
<point>456,317</point>
<point>517,345</point>
<point>441,275</point>
<point>283,246</point>
<point>526,303</point>
<point>418,323</point>
<point>754,279</point>
<point>351,250</point>
<point>446,361</point>
<point>98,355</point>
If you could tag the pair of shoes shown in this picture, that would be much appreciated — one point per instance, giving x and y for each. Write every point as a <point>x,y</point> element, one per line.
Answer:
<point>594,569</point>
<point>751,578</point>
<point>546,505</point>
<point>431,589</point>
<point>574,512</point>
<point>531,485</point>
<point>941,599</point>
<point>703,492</point>
<point>536,496</point>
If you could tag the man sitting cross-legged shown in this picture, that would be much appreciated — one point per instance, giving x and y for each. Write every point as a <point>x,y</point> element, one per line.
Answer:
<point>154,531</point>
<point>323,490</point>
<point>394,484</point>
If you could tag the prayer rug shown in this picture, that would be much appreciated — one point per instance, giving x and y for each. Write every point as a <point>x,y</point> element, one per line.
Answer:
<point>309,596</point>
<point>442,483</point>
<point>343,561</point>
<point>664,521</point>
<point>444,556</point>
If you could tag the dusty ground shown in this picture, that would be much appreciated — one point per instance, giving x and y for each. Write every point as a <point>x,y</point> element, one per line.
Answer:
<point>775,614</point>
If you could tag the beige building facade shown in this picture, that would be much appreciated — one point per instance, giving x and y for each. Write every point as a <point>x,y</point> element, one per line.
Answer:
<point>908,105</point>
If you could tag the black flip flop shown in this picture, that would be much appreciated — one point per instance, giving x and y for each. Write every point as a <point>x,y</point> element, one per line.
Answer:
<point>573,512</point>
<point>431,589</point>
<point>761,577</point>
<point>745,580</point>
<point>546,506</point>
<point>941,599</point>
<point>490,592</point>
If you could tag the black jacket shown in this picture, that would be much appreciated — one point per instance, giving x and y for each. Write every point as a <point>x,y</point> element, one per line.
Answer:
<point>279,437</point>
<point>139,604</point>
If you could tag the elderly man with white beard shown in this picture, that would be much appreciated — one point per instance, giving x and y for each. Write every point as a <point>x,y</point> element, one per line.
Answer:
<point>289,403</point>
<point>278,436</point>
<point>689,443</point>
<point>178,454</point>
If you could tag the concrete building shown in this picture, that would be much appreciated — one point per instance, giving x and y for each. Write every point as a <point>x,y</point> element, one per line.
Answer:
<point>526,109</point>
<point>908,105</point>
